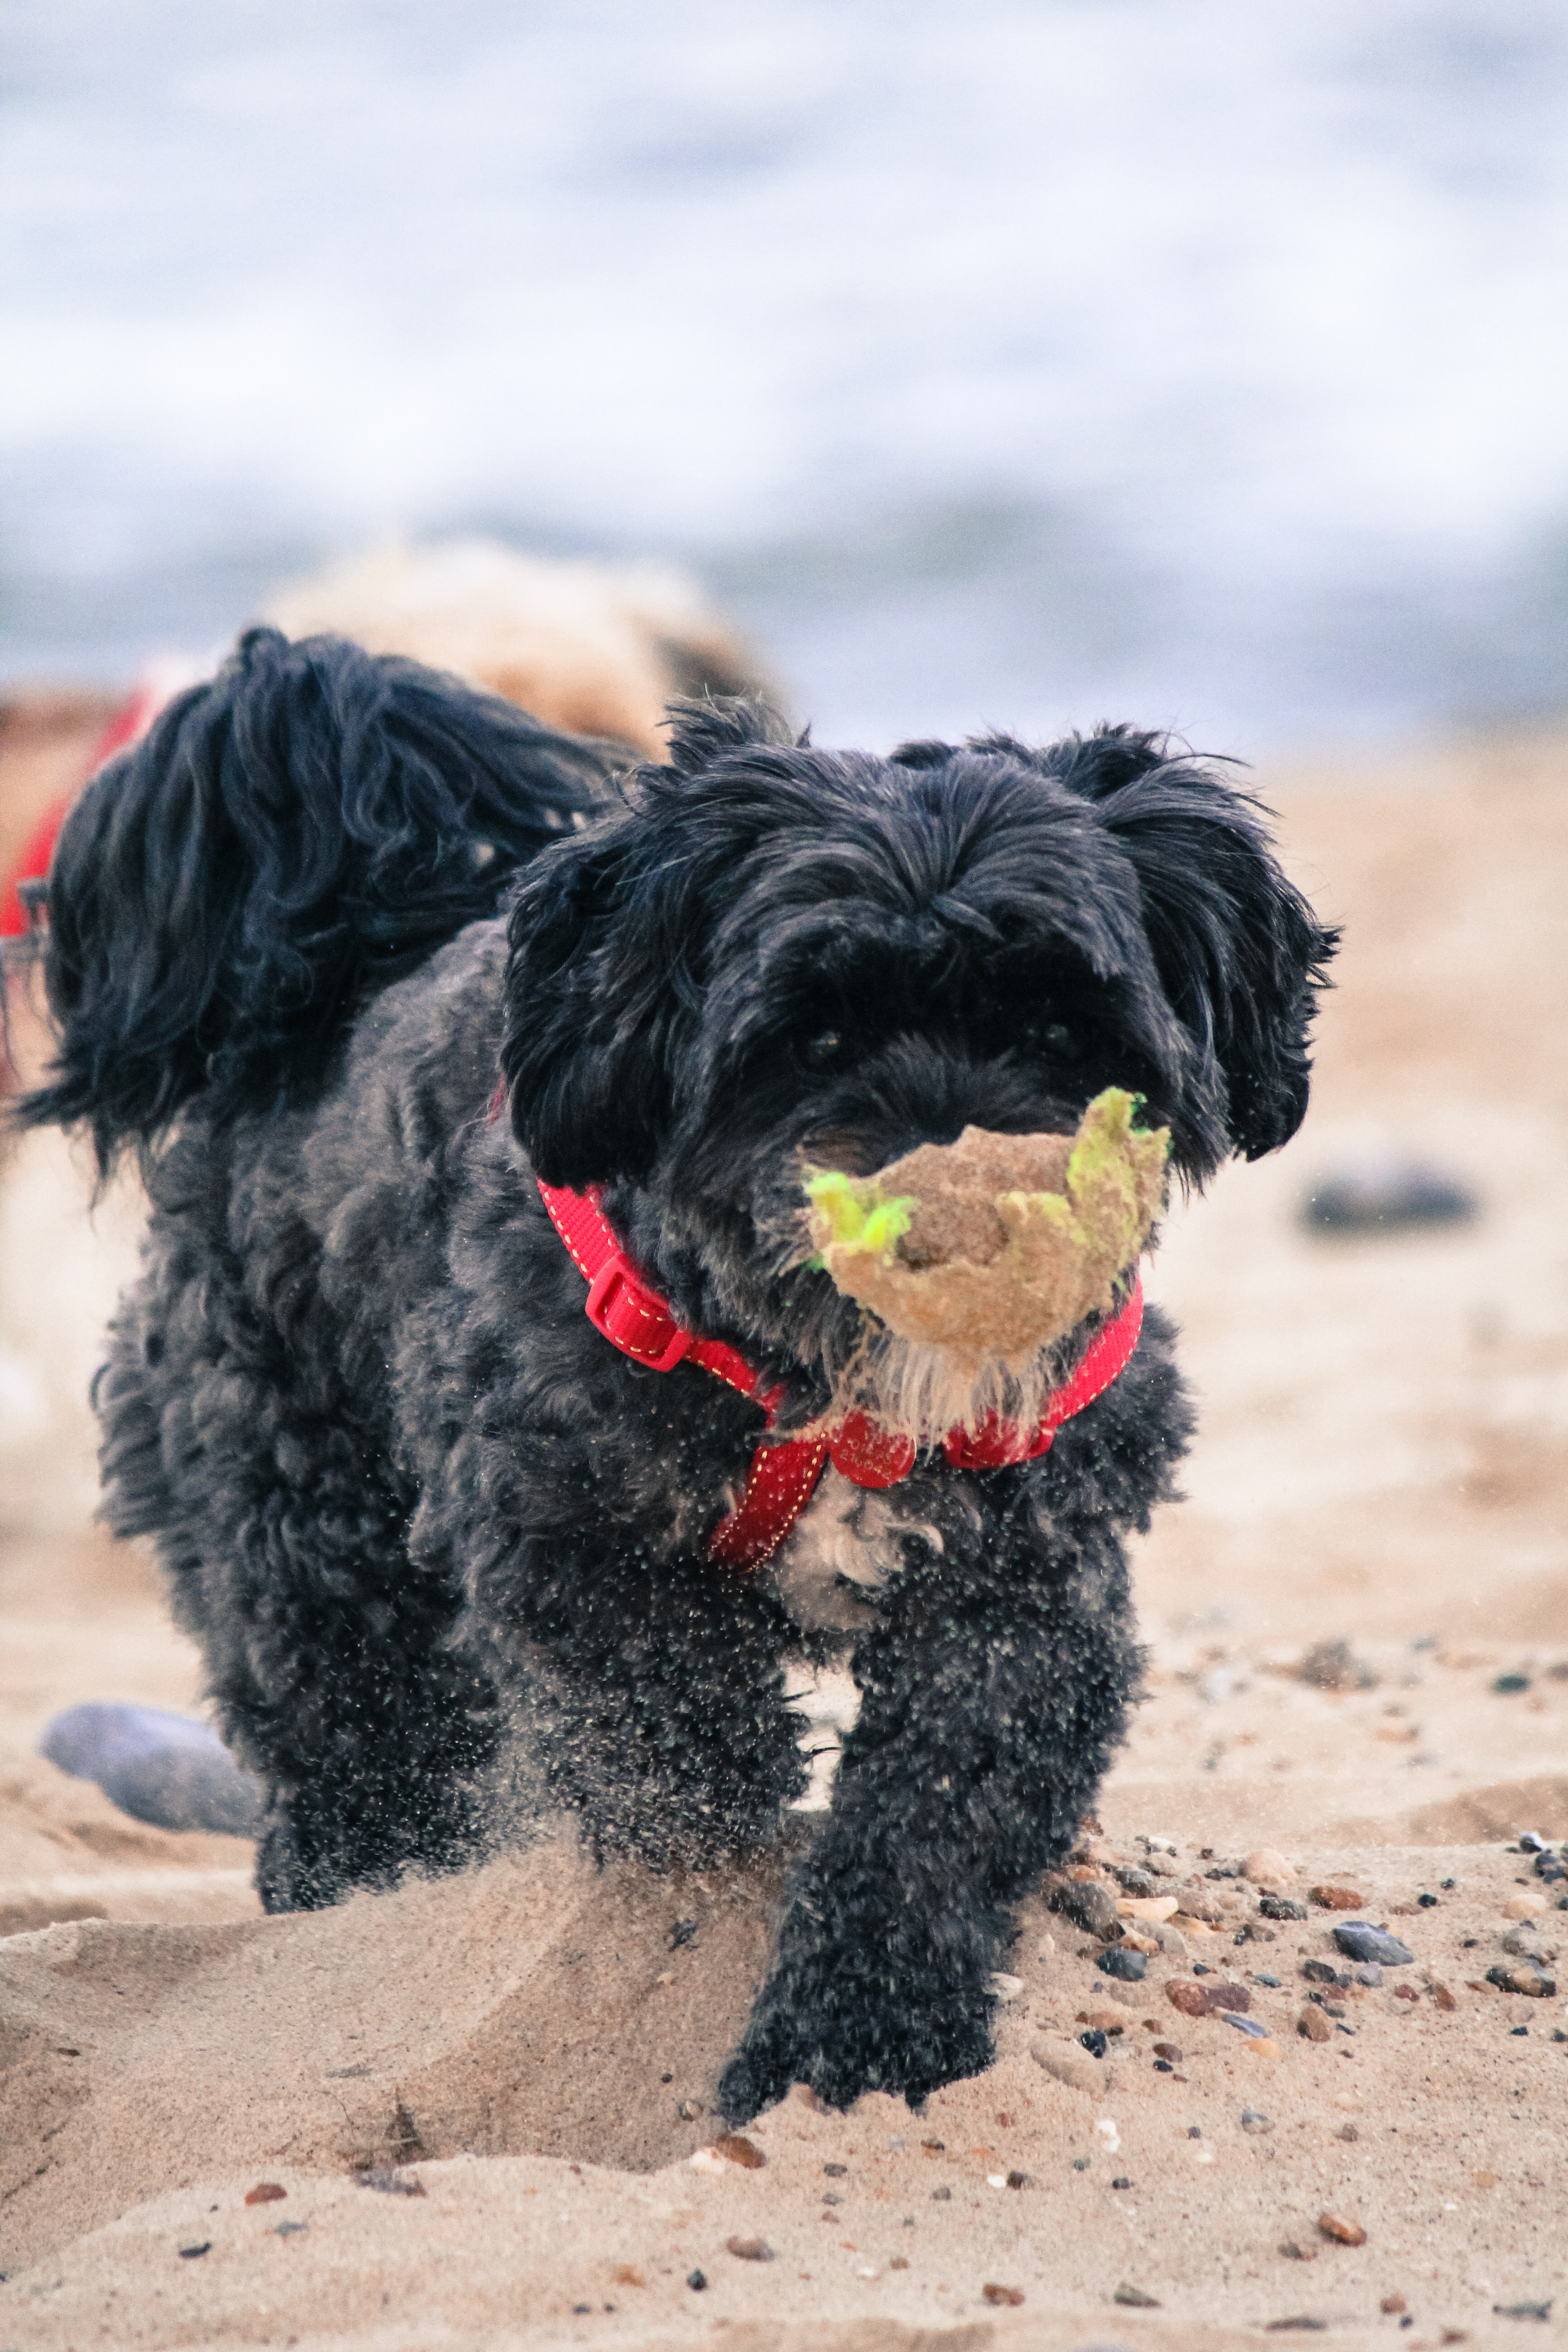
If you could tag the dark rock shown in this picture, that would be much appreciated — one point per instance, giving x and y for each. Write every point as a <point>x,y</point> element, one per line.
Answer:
<point>391,2183</point>
<point>1135,2298</point>
<point>1320,1972</point>
<point>1522,2310</point>
<point>1359,1941</point>
<point>1509,1685</point>
<point>837,2171</point>
<point>189,2253</point>
<point>941,2195</point>
<point>1282,1907</point>
<point>1093,2042</point>
<point>1130,1967</point>
<point>1385,1193</point>
<point>697,2280</point>
<point>1089,1901</point>
<point>1121,2181</point>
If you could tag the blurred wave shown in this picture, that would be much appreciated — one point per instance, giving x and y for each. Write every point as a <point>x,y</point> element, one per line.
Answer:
<point>1019,364</point>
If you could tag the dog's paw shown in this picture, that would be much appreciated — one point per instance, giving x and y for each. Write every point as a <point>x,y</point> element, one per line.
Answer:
<point>852,2042</point>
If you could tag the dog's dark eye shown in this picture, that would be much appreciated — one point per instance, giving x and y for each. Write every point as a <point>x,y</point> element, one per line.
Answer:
<point>1052,1037</point>
<point>826,1051</point>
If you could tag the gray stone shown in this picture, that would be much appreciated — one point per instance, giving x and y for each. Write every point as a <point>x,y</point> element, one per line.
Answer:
<point>1360,1941</point>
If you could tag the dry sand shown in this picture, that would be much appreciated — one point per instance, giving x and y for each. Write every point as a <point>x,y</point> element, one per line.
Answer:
<point>1383,1459</point>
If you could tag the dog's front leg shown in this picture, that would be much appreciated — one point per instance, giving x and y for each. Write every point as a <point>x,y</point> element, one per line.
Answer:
<point>993,1688</point>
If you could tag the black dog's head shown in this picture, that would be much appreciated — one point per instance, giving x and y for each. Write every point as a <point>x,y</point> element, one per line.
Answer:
<point>776,953</point>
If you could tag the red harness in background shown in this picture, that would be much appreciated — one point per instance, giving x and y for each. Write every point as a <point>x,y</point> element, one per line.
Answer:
<point>637,1321</point>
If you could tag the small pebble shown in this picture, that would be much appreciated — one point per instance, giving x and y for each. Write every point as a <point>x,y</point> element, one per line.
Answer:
<point>1360,1941</point>
<point>736,2149</point>
<point>1090,1903</point>
<point>1427,1902</point>
<point>1272,1982</point>
<point>1506,1686</point>
<point>1524,1907</point>
<point>189,2253</point>
<point>837,2171</point>
<point>1346,2232</point>
<point>1525,1978</point>
<point>1337,1898</point>
<point>1001,2294</point>
<point>1135,2298</point>
<point>941,2195</point>
<point>1093,2042</point>
<point>1282,1907</point>
<point>1522,2310</point>
<point>691,2110</point>
<point>1118,1961</point>
<point>1253,2122</point>
<point>1121,2181</point>
<point>1393,2303</point>
<point>1369,1973</point>
<point>1019,2179</point>
<point>829,2198</point>
<point>1168,2050</point>
<point>1251,2025</point>
<point>1295,2253</point>
<point>1347,2131</point>
<point>266,2192</point>
<point>749,2250</point>
<point>391,2183</point>
<point>697,2280</point>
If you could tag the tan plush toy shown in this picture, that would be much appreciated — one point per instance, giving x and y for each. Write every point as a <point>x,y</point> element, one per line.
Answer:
<point>995,1245</point>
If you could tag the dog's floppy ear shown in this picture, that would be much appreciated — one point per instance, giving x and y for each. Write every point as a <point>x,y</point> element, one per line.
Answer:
<point>590,1012</point>
<point>1240,954</point>
<point>607,939</point>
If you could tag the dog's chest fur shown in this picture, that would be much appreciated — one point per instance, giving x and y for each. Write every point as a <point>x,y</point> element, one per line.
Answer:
<point>845,1546</point>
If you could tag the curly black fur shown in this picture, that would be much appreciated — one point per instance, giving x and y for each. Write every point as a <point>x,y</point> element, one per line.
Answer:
<point>445,1549</point>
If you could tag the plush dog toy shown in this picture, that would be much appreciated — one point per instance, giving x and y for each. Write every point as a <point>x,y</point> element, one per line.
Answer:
<point>454,1546</point>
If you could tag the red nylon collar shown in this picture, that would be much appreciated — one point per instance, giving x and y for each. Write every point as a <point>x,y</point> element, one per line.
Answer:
<point>634,1318</point>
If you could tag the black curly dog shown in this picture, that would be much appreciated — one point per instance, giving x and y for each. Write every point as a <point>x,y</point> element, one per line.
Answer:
<point>431,1530</point>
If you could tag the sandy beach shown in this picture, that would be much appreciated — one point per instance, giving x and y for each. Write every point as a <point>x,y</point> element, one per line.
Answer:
<point>523,2060</point>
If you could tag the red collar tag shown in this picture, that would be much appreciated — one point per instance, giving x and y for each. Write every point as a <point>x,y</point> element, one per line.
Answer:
<point>634,1318</point>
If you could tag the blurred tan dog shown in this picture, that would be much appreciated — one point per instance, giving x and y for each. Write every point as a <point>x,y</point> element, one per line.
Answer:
<point>598,649</point>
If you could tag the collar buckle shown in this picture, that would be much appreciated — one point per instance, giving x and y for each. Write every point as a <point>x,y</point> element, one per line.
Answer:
<point>634,1318</point>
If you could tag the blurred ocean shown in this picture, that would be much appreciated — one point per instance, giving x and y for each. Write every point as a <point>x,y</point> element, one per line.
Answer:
<point>1019,363</point>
